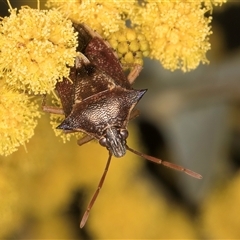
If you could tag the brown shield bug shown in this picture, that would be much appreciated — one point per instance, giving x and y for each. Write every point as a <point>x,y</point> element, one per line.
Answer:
<point>99,101</point>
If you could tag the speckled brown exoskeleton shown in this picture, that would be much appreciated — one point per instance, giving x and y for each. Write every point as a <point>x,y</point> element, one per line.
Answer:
<point>99,101</point>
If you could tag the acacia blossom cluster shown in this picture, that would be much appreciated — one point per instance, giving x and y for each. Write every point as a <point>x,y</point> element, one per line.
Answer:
<point>176,33</point>
<point>37,48</point>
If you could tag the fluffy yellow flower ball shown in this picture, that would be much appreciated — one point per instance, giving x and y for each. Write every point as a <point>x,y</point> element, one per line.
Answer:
<point>36,48</point>
<point>18,118</point>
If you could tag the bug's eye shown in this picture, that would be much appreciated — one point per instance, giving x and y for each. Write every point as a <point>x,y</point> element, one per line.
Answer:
<point>103,141</point>
<point>124,133</point>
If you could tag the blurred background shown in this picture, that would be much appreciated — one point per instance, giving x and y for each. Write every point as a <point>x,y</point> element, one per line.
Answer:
<point>191,119</point>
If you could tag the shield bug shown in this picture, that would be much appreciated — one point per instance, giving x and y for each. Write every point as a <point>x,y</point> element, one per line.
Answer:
<point>99,101</point>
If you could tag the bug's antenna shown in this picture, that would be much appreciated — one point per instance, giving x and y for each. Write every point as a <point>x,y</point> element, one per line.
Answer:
<point>166,164</point>
<point>9,5</point>
<point>95,195</point>
<point>38,4</point>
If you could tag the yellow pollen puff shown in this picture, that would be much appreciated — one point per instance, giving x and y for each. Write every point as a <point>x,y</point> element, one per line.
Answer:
<point>138,54</point>
<point>130,45</point>
<point>18,119</point>
<point>122,47</point>
<point>141,37</point>
<point>146,53</point>
<point>113,42</point>
<point>176,31</point>
<point>134,46</point>
<point>121,37</point>
<point>138,61</point>
<point>144,45</point>
<point>130,34</point>
<point>129,57</point>
<point>105,17</point>
<point>43,38</point>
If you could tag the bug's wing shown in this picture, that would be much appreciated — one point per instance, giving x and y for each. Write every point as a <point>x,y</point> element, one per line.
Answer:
<point>89,80</point>
<point>85,80</point>
<point>100,54</point>
<point>65,90</point>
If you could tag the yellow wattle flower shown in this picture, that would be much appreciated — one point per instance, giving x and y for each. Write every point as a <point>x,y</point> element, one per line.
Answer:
<point>103,16</point>
<point>18,119</point>
<point>36,48</point>
<point>131,46</point>
<point>177,32</point>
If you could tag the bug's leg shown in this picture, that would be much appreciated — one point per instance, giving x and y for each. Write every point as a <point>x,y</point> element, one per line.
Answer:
<point>51,109</point>
<point>166,164</point>
<point>84,140</point>
<point>135,113</point>
<point>134,73</point>
<point>94,197</point>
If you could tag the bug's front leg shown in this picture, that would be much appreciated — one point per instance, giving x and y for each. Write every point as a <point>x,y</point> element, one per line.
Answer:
<point>84,140</point>
<point>51,109</point>
<point>134,73</point>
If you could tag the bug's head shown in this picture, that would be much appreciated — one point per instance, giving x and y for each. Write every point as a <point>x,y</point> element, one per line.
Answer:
<point>114,139</point>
